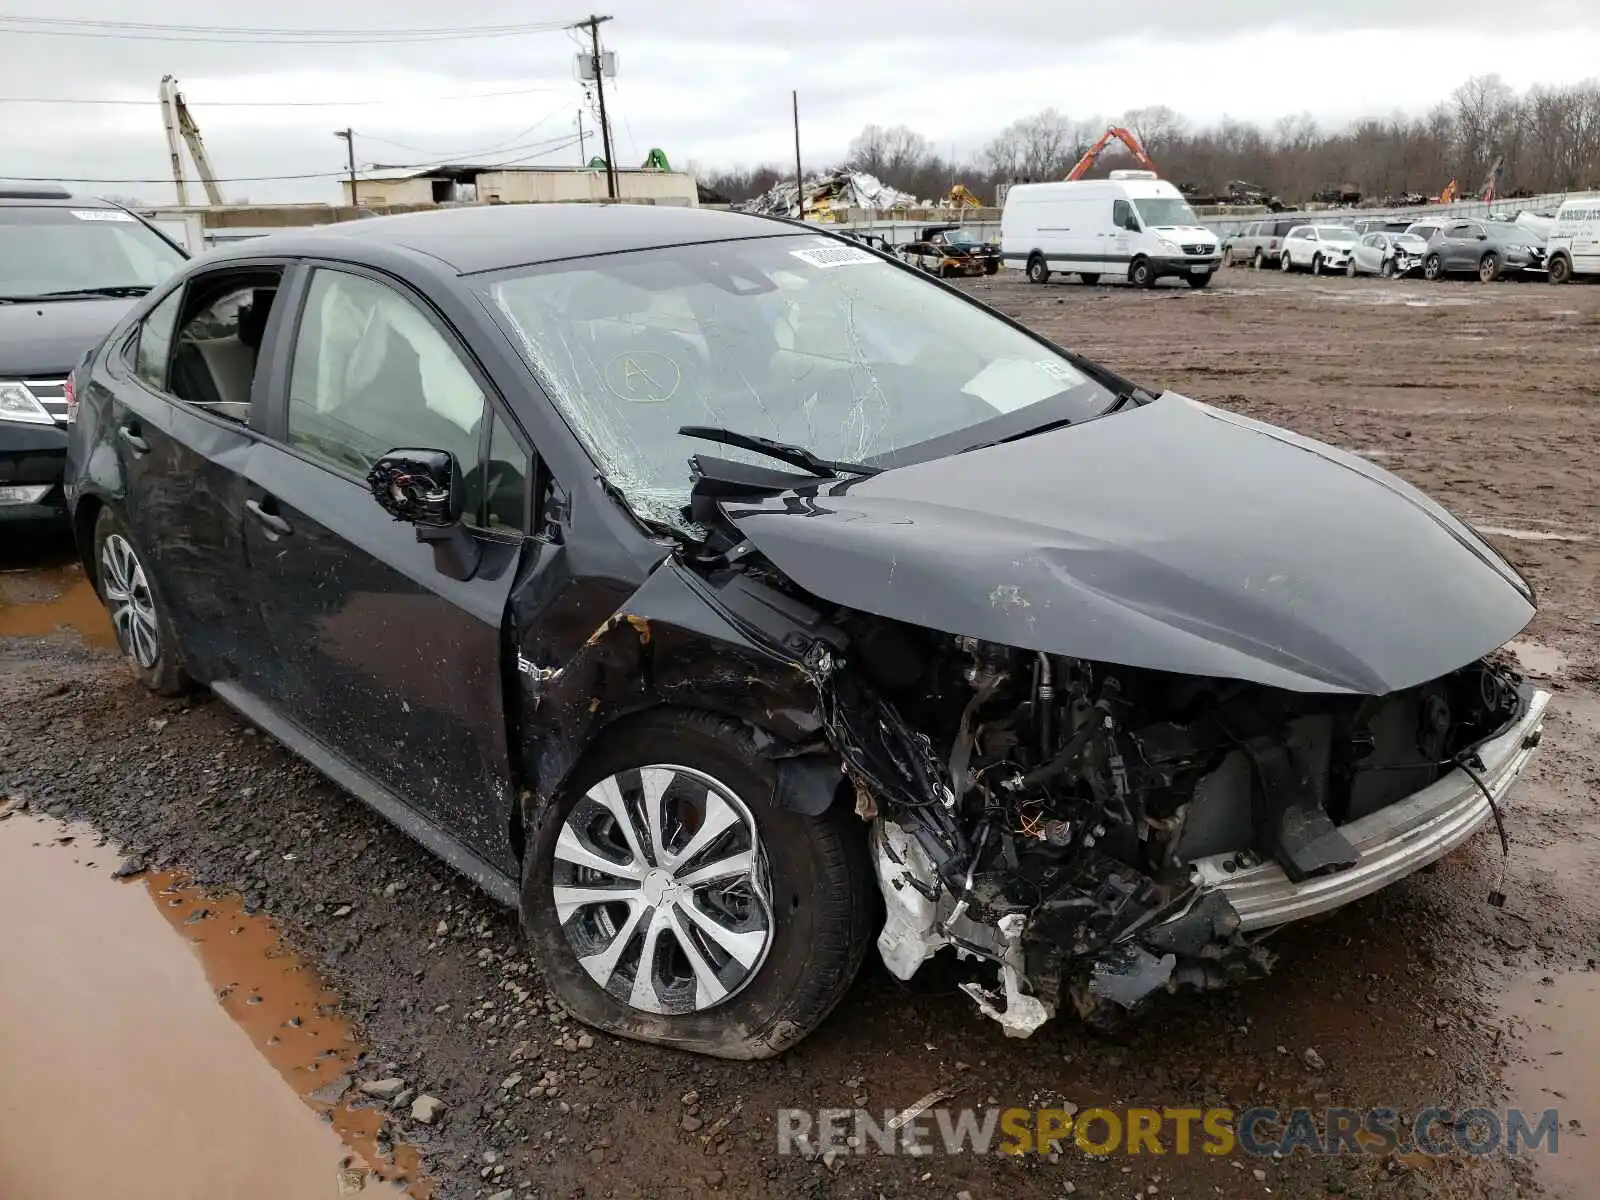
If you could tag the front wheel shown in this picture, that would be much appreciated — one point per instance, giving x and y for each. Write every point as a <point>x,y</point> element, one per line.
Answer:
<point>992,267</point>
<point>1316,264</point>
<point>1142,273</point>
<point>1560,269</point>
<point>1199,281</point>
<point>1387,269</point>
<point>1038,272</point>
<point>138,616</point>
<point>1350,268</point>
<point>670,899</point>
<point>1489,268</point>
<point>1433,268</point>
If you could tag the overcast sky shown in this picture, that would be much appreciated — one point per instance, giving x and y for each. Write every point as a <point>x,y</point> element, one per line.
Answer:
<point>713,87</point>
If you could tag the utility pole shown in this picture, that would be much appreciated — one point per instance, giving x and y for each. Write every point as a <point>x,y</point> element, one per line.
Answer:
<point>349,136</point>
<point>583,155</point>
<point>593,26</point>
<point>799,179</point>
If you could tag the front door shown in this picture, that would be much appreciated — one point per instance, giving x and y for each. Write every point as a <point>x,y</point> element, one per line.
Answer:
<point>182,419</point>
<point>394,665</point>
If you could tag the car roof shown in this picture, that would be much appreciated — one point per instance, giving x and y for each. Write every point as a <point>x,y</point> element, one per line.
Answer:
<point>37,195</point>
<point>495,236</point>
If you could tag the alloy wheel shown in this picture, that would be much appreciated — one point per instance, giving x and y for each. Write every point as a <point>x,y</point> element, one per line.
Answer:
<point>661,886</point>
<point>128,596</point>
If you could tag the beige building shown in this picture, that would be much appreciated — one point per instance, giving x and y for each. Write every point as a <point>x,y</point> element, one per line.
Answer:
<point>522,185</point>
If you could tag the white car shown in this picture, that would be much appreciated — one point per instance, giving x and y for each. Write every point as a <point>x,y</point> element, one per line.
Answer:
<point>1387,254</point>
<point>1317,248</point>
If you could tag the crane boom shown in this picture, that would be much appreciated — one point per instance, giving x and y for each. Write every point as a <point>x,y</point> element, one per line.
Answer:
<point>180,124</point>
<point>1114,134</point>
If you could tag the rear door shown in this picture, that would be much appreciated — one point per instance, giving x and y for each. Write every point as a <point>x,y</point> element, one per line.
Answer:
<point>395,666</point>
<point>1460,246</point>
<point>182,415</point>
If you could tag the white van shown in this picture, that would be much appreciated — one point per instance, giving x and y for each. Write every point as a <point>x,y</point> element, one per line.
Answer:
<point>1573,247</point>
<point>1131,224</point>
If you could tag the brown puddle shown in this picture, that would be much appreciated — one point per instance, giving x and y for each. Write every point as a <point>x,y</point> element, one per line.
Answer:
<point>1558,1020</point>
<point>166,1055</point>
<point>39,602</point>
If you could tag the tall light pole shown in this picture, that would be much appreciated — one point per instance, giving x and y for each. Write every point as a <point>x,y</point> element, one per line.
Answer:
<point>349,137</point>
<point>799,180</point>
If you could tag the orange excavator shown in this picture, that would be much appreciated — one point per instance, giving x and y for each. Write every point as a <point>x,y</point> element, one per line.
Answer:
<point>1115,134</point>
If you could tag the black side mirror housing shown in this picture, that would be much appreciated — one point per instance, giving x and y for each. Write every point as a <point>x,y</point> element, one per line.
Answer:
<point>425,489</point>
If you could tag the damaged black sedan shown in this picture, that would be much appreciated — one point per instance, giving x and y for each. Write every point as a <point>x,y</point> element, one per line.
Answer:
<point>730,598</point>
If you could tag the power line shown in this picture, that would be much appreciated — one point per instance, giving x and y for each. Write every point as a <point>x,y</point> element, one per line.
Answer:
<point>498,147</point>
<point>255,35</point>
<point>275,103</point>
<point>554,147</point>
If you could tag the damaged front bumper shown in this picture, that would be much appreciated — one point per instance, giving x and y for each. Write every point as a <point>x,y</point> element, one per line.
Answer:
<point>1391,843</point>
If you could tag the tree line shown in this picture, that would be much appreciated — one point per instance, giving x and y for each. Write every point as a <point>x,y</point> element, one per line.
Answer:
<point>1547,139</point>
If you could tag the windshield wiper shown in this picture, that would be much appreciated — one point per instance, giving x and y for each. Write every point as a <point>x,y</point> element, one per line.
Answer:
<point>118,290</point>
<point>795,456</point>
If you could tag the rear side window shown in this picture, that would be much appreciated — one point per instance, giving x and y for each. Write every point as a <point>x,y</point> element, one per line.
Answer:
<point>219,341</point>
<point>155,342</point>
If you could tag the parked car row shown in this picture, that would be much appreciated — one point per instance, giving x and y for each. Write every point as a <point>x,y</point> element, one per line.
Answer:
<point>1434,249</point>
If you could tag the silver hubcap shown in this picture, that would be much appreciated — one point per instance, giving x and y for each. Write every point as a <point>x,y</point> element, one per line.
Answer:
<point>133,608</point>
<point>661,887</point>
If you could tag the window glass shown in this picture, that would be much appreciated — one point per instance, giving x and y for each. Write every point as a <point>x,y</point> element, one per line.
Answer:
<point>505,481</point>
<point>214,362</point>
<point>155,341</point>
<point>1120,211</point>
<point>50,251</point>
<point>372,374</point>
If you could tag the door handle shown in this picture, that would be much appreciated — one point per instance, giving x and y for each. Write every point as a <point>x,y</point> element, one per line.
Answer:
<point>130,434</point>
<point>273,523</point>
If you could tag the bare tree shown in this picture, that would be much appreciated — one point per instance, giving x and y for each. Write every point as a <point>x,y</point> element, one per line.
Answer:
<point>889,154</point>
<point>1036,147</point>
<point>1155,127</point>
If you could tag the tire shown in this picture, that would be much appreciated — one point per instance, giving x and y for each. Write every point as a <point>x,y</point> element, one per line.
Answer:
<point>138,614</point>
<point>1560,269</point>
<point>1198,281</point>
<point>1387,269</point>
<point>1350,267</point>
<point>992,267</point>
<point>1141,274</point>
<point>815,927</point>
<point>1489,267</point>
<point>1433,268</point>
<point>1316,264</point>
<point>1038,271</point>
<point>1091,277</point>
<point>1259,261</point>
<point>1285,263</point>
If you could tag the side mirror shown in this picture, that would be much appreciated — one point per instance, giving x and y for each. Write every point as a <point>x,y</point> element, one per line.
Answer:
<point>423,487</point>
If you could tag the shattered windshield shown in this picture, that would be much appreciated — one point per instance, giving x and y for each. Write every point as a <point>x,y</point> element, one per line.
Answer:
<point>802,340</point>
<point>1157,211</point>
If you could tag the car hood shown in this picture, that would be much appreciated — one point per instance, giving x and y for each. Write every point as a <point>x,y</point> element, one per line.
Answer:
<point>48,338</point>
<point>1172,536</point>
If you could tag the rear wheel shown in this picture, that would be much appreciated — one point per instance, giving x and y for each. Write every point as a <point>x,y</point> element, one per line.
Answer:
<point>1259,260</point>
<point>1038,272</point>
<point>138,616</point>
<point>670,899</point>
<point>1560,269</point>
<point>1090,277</point>
<point>1142,273</point>
<point>1489,267</point>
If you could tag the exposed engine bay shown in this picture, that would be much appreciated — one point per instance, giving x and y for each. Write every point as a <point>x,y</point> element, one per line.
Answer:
<point>1042,813</point>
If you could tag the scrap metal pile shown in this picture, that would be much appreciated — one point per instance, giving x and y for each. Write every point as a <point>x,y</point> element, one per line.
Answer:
<point>837,189</point>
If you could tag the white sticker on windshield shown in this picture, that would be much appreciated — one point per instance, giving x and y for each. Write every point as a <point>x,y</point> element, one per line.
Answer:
<point>834,256</point>
<point>101,214</point>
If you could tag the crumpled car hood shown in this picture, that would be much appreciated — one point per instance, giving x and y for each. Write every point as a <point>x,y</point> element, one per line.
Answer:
<point>1173,536</point>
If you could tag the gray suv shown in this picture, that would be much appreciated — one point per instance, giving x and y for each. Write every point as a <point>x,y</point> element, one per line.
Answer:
<point>1260,242</point>
<point>1487,249</point>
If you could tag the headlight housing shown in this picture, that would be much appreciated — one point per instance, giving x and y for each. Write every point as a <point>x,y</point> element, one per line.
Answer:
<point>1168,244</point>
<point>18,404</point>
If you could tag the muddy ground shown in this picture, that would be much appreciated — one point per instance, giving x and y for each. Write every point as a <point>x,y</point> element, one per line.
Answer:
<point>1423,995</point>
